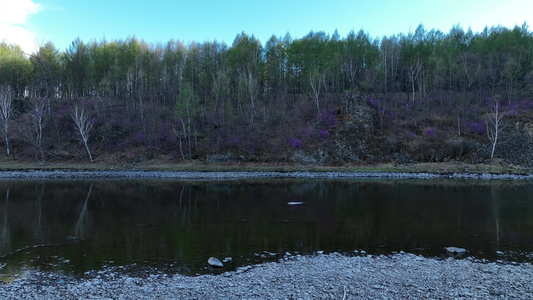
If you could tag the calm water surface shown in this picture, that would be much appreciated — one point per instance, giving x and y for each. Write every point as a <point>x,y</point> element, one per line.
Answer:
<point>77,226</point>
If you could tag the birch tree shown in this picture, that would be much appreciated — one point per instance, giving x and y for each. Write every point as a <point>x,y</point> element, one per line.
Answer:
<point>184,111</point>
<point>250,88</point>
<point>317,82</point>
<point>6,112</point>
<point>83,121</point>
<point>32,129</point>
<point>494,125</point>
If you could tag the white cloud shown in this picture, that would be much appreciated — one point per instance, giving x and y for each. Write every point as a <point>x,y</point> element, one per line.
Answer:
<point>14,26</point>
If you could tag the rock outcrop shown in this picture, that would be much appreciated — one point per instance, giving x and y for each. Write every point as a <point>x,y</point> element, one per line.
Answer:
<point>355,130</point>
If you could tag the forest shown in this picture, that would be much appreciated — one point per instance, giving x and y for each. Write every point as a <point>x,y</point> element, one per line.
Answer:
<point>422,96</point>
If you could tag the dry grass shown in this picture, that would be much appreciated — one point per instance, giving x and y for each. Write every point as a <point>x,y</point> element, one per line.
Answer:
<point>494,167</point>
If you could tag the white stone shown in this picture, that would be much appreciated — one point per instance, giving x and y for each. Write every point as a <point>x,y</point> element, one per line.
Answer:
<point>455,250</point>
<point>215,262</point>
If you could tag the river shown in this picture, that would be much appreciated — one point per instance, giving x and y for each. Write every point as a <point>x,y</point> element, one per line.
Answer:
<point>78,226</point>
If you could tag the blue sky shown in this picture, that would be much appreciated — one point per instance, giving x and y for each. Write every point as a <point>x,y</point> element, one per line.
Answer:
<point>29,22</point>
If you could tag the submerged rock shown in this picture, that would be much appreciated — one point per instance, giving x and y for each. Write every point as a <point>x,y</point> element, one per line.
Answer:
<point>295,203</point>
<point>214,262</point>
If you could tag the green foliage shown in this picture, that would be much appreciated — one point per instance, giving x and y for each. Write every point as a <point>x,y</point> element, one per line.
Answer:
<point>15,68</point>
<point>219,90</point>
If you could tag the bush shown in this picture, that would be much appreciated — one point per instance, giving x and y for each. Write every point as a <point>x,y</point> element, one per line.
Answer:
<point>296,143</point>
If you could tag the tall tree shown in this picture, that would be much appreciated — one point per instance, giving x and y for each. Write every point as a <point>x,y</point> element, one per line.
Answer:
<point>6,112</point>
<point>83,120</point>
<point>46,71</point>
<point>32,127</point>
<point>174,59</point>
<point>15,68</point>
<point>184,113</point>
<point>494,124</point>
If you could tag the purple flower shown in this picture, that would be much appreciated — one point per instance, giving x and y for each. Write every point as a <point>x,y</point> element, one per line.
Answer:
<point>324,134</point>
<point>139,137</point>
<point>431,132</point>
<point>234,141</point>
<point>329,118</point>
<point>475,127</point>
<point>410,134</point>
<point>296,143</point>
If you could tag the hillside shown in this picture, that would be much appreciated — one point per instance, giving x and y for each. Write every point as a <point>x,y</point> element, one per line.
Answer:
<point>426,96</point>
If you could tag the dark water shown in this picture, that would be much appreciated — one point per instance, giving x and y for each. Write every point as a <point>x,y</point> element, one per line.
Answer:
<point>76,226</point>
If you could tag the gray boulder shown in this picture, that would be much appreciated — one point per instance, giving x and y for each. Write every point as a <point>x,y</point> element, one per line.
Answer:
<point>214,262</point>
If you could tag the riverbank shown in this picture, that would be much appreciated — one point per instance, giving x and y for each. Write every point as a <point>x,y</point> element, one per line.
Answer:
<point>236,175</point>
<point>443,168</point>
<point>332,276</point>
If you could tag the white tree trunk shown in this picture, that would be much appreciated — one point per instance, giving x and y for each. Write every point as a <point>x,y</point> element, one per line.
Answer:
<point>83,122</point>
<point>494,125</point>
<point>6,113</point>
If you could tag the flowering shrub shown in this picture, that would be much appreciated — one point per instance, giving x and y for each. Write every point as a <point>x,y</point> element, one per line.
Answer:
<point>324,134</point>
<point>329,118</point>
<point>410,134</point>
<point>296,143</point>
<point>139,138</point>
<point>475,127</point>
<point>175,154</point>
<point>431,132</point>
<point>233,141</point>
<point>308,133</point>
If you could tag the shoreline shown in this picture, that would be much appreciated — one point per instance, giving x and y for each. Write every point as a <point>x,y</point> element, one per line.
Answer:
<point>323,276</point>
<point>238,175</point>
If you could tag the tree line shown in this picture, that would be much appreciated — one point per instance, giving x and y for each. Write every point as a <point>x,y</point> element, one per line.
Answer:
<point>197,98</point>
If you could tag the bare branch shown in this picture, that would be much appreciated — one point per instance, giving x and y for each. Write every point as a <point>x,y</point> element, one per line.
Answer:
<point>494,125</point>
<point>83,121</point>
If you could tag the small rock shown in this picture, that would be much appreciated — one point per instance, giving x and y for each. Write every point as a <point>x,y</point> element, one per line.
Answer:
<point>320,252</point>
<point>499,252</point>
<point>455,250</point>
<point>227,259</point>
<point>295,203</point>
<point>214,262</point>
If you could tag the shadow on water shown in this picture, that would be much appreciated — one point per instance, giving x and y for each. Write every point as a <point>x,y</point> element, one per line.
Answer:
<point>74,227</point>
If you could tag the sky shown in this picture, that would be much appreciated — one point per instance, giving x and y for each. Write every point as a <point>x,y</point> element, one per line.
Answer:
<point>29,23</point>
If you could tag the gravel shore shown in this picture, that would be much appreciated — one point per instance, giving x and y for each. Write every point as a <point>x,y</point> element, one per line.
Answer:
<point>62,174</point>
<point>331,276</point>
